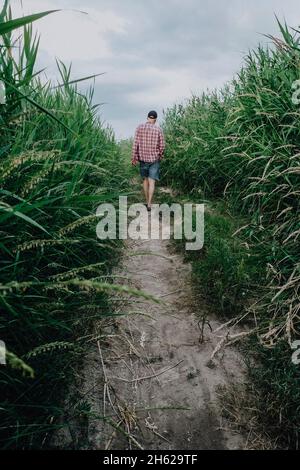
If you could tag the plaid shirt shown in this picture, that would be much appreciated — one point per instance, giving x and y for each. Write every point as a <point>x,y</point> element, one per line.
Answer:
<point>149,143</point>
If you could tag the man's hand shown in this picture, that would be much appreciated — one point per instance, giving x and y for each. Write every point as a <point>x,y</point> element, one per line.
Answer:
<point>134,162</point>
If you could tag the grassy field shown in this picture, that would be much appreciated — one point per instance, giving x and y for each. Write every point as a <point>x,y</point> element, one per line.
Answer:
<point>239,148</point>
<point>57,165</point>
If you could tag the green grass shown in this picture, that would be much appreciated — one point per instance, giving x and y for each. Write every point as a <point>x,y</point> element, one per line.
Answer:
<point>276,381</point>
<point>225,269</point>
<point>240,145</point>
<point>58,163</point>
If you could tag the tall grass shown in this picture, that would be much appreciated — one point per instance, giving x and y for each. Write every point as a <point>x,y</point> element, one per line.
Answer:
<point>241,145</point>
<point>58,164</point>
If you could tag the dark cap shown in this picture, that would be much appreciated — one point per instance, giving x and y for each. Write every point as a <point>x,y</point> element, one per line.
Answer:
<point>152,114</point>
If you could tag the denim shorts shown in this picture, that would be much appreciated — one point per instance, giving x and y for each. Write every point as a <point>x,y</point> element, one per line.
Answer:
<point>150,170</point>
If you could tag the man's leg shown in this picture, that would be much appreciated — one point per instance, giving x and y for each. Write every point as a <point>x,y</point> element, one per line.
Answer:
<point>151,189</point>
<point>146,188</point>
<point>153,177</point>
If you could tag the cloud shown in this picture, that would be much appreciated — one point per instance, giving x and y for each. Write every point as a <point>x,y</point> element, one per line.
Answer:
<point>154,52</point>
<point>74,35</point>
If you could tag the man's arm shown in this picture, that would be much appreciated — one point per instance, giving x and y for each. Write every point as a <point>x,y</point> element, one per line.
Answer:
<point>161,144</point>
<point>135,148</point>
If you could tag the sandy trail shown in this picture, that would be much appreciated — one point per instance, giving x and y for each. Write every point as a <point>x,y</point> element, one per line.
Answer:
<point>152,364</point>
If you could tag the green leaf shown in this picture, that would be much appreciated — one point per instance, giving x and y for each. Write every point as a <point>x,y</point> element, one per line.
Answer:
<point>3,11</point>
<point>72,82</point>
<point>9,26</point>
<point>38,106</point>
<point>11,212</point>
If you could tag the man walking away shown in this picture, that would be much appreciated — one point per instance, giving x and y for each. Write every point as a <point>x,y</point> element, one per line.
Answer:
<point>148,149</point>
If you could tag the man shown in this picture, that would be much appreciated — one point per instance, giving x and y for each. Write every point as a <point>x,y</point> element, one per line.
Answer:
<point>148,149</point>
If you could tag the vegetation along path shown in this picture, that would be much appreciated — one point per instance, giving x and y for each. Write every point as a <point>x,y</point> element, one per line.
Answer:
<point>150,372</point>
<point>150,376</point>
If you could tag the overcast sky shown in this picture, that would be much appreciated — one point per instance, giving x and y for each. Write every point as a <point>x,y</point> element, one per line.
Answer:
<point>153,52</point>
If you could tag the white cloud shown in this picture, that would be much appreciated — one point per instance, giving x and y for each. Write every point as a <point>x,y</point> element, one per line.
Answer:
<point>71,35</point>
<point>154,52</point>
<point>171,86</point>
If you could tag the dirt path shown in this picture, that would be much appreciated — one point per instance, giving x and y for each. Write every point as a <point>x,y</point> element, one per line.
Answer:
<point>152,364</point>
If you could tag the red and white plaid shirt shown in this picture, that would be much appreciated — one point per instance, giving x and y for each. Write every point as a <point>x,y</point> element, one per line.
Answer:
<point>149,143</point>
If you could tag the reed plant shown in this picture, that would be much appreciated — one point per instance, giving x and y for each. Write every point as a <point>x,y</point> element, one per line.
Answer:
<point>240,145</point>
<point>58,163</point>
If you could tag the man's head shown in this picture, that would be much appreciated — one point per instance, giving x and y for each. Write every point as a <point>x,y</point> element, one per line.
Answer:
<point>152,117</point>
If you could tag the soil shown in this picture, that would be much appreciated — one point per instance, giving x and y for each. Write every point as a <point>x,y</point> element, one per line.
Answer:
<point>150,374</point>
